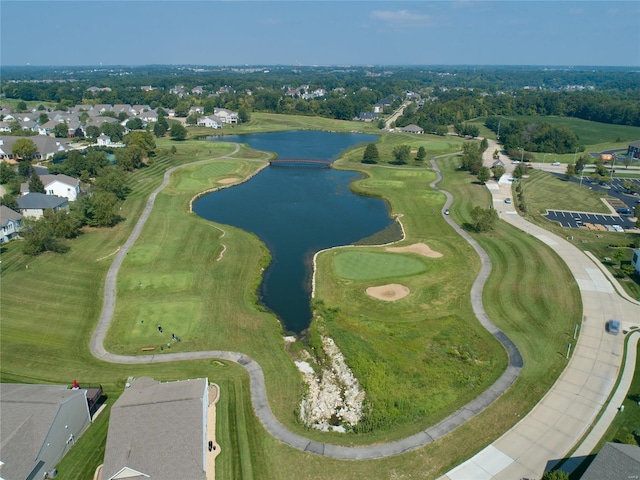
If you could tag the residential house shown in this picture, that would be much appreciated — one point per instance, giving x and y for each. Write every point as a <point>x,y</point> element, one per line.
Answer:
<point>5,127</point>
<point>635,260</point>
<point>40,423</point>
<point>138,109</point>
<point>104,140</point>
<point>47,147</point>
<point>197,90</point>
<point>159,431</point>
<point>149,116</point>
<point>378,108</point>
<point>147,88</point>
<point>120,108</point>
<point>210,121</point>
<point>634,149</point>
<point>412,129</point>
<point>368,116</point>
<point>227,116</point>
<point>33,205</point>
<point>47,128</point>
<point>197,110</point>
<point>497,163</point>
<point>615,460</point>
<point>59,185</point>
<point>9,224</point>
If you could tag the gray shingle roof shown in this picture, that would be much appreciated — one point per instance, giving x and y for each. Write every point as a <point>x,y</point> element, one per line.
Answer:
<point>37,201</point>
<point>27,412</point>
<point>7,214</point>
<point>157,429</point>
<point>615,460</point>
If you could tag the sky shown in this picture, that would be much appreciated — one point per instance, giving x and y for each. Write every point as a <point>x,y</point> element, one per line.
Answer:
<point>334,32</point>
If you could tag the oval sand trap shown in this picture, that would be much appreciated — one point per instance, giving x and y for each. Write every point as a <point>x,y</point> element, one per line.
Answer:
<point>419,248</point>
<point>228,180</point>
<point>388,293</point>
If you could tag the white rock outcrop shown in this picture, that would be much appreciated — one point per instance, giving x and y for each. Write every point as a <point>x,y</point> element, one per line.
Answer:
<point>334,395</point>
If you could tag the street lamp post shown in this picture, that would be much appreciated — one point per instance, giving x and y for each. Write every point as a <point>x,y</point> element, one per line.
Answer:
<point>613,166</point>
<point>522,156</point>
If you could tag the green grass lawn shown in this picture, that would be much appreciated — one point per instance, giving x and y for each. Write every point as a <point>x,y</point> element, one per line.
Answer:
<point>542,191</point>
<point>431,344</point>
<point>368,265</point>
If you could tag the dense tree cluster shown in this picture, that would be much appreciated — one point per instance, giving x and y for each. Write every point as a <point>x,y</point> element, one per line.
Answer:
<point>534,137</point>
<point>453,94</point>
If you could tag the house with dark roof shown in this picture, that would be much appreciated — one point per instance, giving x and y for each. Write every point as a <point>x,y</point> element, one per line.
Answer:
<point>40,424</point>
<point>33,204</point>
<point>9,223</point>
<point>159,431</point>
<point>367,116</point>
<point>615,460</point>
<point>634,149</point>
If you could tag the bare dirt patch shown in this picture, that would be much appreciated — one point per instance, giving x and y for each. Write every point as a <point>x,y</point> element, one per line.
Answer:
<point>419,248</point>
<point>228,180</point>
<point>388,293</point>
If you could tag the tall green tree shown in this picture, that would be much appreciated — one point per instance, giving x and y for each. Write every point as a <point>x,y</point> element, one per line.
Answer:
<point>484,174</point>
<point>9,201</point>
<point>178,132</point>
<point>7,173</point>
<point>371,154</point>
<point>24,148</point>
<point>422,154</point>
<point>35,184</point>
<point>401,154</point>
<point>61,130</point>
<point>498,172</point>
<point>483,219</point>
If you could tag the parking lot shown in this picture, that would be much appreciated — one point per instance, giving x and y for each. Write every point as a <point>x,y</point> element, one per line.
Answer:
<point>613,189</point>
<point>591,221</point>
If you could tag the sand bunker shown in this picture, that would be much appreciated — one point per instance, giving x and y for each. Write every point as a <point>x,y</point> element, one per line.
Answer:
<point>419,248</point>
<point>228,180</point>
<point>389,293</point>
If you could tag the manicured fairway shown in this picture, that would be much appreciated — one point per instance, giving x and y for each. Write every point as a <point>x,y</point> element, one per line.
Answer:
<point>367,265</point>
<point>417,363</point>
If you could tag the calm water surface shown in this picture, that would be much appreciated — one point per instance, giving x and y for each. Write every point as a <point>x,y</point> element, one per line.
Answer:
<point>296,211</point>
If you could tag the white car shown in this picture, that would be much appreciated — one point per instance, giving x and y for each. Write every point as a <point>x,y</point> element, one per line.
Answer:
<point>507,200</point>
<point>556,164</point>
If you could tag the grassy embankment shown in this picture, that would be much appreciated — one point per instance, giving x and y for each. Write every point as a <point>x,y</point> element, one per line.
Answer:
<point>55,347</point>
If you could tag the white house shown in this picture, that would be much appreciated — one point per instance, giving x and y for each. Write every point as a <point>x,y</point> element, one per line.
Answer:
<point>59,185</point>
<point>33,205</point>
<point>104,140</point>
<point>635,260</point>
<point>210,121</point>
<point>227,116</point>
<point>9,223</point>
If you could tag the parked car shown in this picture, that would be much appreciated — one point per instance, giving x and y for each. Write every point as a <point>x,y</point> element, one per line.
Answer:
<point>556,164</point>
<point>507,200</point>
<point>624,211</point>
<point>613,327</point>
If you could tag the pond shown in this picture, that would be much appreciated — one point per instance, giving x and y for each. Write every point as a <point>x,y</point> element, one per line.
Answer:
<point>297,211</point>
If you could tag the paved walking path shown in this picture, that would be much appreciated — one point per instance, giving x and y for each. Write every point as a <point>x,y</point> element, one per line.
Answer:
<point>256,376</point>
<point>546,435</point>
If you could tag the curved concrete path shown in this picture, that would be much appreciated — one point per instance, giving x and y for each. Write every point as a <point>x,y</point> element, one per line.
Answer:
<point>563,416</point>
<point>256,376</point>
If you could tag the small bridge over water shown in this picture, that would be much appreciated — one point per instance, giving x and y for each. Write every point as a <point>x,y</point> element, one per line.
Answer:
<point>301,162</point>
